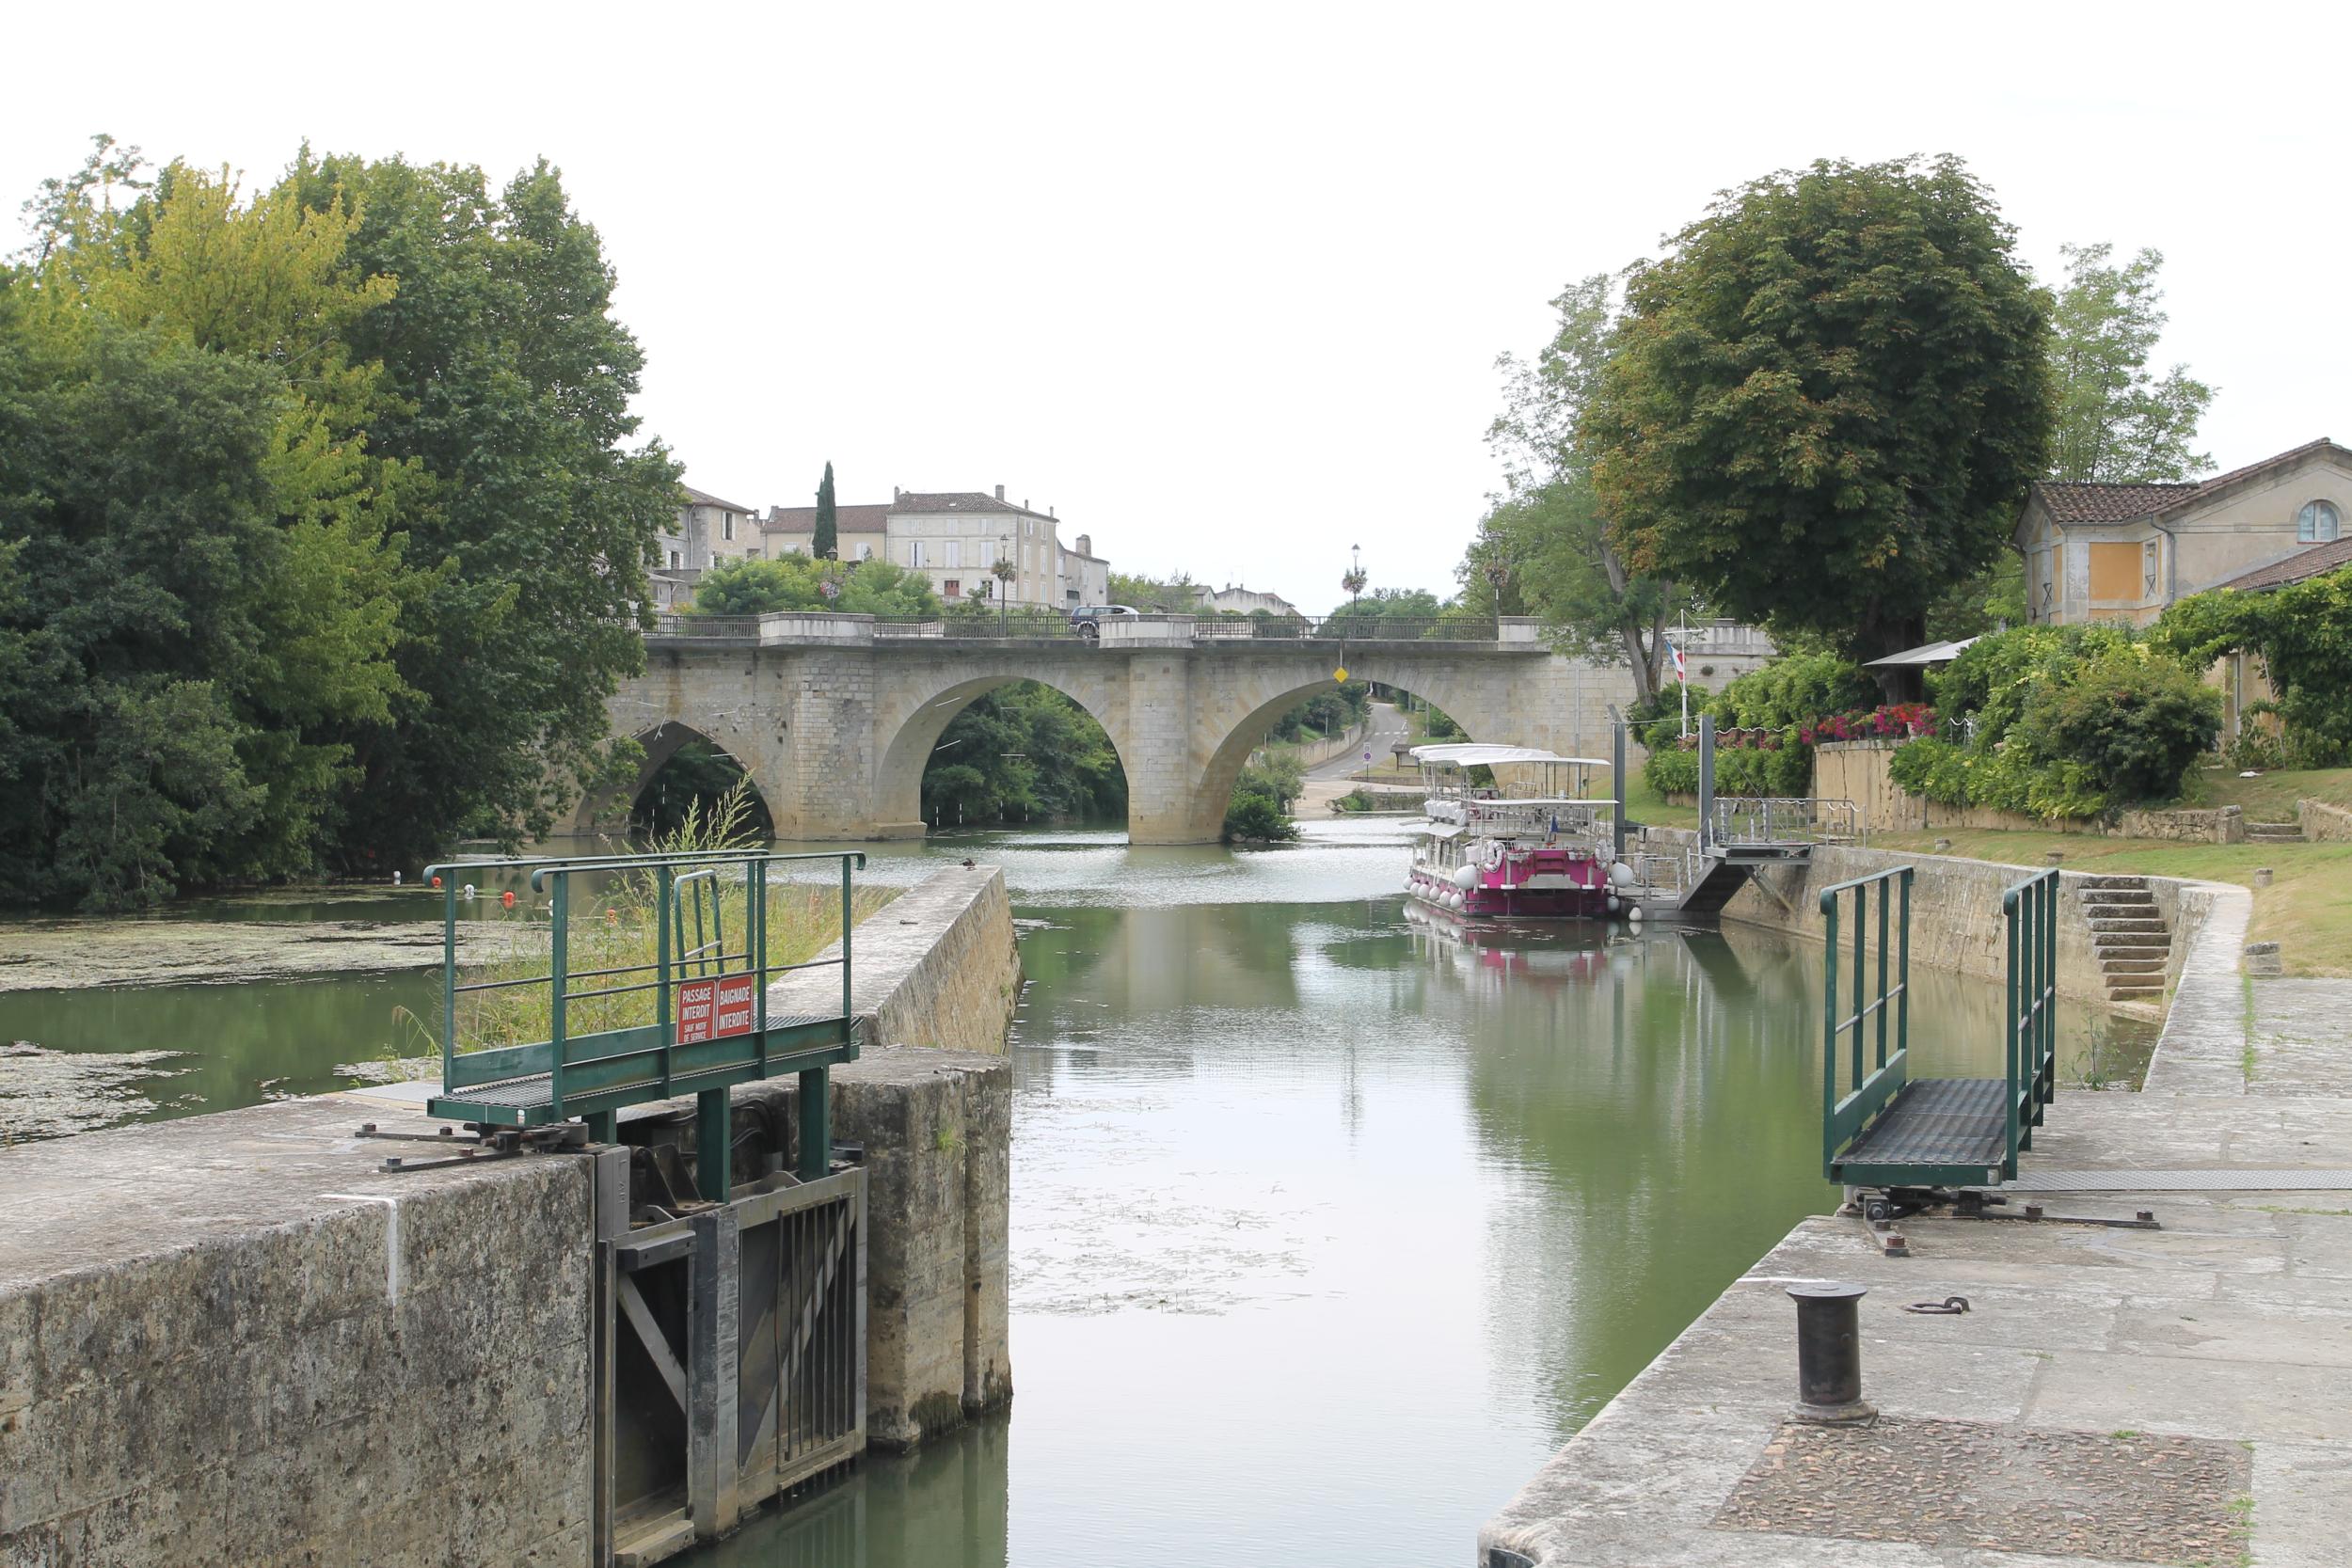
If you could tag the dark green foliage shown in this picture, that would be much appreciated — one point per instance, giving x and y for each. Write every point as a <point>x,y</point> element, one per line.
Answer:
<point>140,541</point>
<point>1259,811</point>
<point>323,542</point>
<point>1254,818</point>
<point>506,381</point>
<point>1823,409</point>
<point>1023,753</point>
<point>2137,723</point>
<point>1385,612</point>
<point>1437,725</point>
<point>1327,713</point>
<point>2303,635</point>
<point>755,587</point>
<point>826,540</point>
<point>2062,723</point>
<point>1763,722</point>
<point>695,783</point>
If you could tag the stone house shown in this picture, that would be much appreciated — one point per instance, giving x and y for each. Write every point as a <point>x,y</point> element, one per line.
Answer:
<point>2124,552</point>
<point>707,530</point>
<point>1235,598</point>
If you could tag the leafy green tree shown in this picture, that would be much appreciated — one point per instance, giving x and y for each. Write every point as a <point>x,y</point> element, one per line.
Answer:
<point>1547,528</point>
<point>826,542</point>
<point>1176,596</point>
<point>505,386</point>
<point>756,587</point>
<point>325,544</point>
<point>2302,633</point>
<point>1404,613</point>
<point>1823,407</point>
<point>1023,753</point>
<point>2113,420</point>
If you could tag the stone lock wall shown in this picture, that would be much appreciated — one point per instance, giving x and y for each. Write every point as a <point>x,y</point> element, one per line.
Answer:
<point>235,1338</point>
<point>1956,918</point>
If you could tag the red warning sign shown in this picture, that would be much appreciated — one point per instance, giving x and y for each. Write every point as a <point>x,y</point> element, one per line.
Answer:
<point>715,1008</point>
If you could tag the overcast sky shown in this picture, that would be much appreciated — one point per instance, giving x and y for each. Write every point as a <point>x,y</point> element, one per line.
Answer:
<point>1224,286</point>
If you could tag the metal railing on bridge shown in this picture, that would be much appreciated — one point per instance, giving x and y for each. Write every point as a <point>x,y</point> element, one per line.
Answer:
<point>1882,1129</point>
<point>974,619</point>
<point>1750,821</point>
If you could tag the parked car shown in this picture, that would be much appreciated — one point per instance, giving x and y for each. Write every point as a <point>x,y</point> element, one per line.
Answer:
<point>1087,619</point>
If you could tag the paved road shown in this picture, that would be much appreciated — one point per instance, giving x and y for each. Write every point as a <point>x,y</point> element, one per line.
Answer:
<point>1388,727</point>
<point>1327,782</point>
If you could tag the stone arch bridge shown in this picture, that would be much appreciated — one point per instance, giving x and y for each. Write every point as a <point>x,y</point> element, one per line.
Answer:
<point>835,716</point>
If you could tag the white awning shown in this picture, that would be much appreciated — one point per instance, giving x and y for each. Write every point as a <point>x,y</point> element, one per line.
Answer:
<point>1470,754</point>
<point>1446,829</point>
<point>1926,655</point>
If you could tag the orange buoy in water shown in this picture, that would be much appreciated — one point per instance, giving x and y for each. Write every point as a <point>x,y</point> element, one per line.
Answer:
<point>507,900</point>
<point>437,881</point>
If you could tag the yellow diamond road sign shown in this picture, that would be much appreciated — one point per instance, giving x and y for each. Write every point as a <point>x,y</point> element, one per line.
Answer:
<point>1340,674</point>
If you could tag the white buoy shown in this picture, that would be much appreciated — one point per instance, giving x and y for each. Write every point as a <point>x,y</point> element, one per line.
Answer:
<point>395,879</point>
<point>1634,913</point>
<point>1615,903</point>
<point>1621,874</point>
<point>468,894</point>
<point>1466,877</point>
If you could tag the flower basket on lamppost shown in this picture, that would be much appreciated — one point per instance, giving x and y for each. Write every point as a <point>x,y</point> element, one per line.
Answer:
<point>1353,580</point>
<point>1003,572</point>
<point>1497,574</point>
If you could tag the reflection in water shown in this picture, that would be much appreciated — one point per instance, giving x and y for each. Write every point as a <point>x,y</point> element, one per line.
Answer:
<point>1329,1224</point>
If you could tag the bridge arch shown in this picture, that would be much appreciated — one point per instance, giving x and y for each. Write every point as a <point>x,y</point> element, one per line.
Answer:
<point>908,727</point>
<point>608,811</point>
<point>1236,722</point>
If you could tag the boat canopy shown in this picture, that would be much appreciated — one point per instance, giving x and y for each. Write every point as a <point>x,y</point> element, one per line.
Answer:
<point>1469,754</point>
<point>1447,829</point>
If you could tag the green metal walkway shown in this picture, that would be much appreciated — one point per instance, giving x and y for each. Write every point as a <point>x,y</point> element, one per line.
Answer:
<point>1882,1129</point>
<point>655,985</point>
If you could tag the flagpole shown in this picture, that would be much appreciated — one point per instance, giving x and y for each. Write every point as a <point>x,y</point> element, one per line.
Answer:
<point>1681,679</point>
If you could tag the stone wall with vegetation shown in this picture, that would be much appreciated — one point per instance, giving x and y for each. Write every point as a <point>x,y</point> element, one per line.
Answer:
<point>1861,772</point>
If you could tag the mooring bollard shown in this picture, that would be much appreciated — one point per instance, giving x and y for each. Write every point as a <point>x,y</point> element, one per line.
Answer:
<point>1829,1354</point>
<point>2261,876</point>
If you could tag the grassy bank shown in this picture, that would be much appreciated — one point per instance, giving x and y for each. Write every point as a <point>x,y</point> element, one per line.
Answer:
<point>2306,909</point>
<point>2271,797</point>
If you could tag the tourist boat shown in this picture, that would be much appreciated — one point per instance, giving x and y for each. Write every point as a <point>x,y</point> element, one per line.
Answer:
<point>1531,845</point>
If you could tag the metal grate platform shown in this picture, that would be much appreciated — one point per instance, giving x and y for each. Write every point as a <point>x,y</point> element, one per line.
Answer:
<point>1938,1122</point>
<point>534,1092</point>
<point>2218,1180</point>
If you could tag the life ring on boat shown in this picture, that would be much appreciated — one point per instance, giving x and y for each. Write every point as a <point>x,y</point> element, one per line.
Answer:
<point>1493,858</point>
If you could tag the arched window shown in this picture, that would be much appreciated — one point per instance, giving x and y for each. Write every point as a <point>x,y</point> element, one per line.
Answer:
<point>2318,523</point>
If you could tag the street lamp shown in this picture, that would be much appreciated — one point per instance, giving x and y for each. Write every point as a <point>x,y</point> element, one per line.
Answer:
<point>1497,573</point>
<point>1355,579</point>
<point>1003,571</point>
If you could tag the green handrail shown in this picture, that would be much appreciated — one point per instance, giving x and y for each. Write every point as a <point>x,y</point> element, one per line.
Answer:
<point>1845,1116</point>
<point>2029,912</point>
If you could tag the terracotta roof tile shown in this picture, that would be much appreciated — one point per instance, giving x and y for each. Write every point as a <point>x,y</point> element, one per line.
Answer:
<point>2070,501</point>
<point>704,498</point>
<point>958,501</point>
<point>846,519</point>
<point>2294,568</point>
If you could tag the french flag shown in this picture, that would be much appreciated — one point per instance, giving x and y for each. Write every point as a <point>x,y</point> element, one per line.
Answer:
<point>1677,653</point>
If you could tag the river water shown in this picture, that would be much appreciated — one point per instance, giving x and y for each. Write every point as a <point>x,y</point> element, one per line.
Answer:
<point>1327,1225</point>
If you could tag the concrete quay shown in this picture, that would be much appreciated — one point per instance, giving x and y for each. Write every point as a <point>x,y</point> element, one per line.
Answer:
<point>2181,1395</point>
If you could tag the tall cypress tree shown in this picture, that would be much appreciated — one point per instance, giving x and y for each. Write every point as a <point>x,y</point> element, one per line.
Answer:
<point>827,538</point>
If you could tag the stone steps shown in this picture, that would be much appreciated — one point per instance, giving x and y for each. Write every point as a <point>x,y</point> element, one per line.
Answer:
<point>2128,936</point>
<point>2274,832</point>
